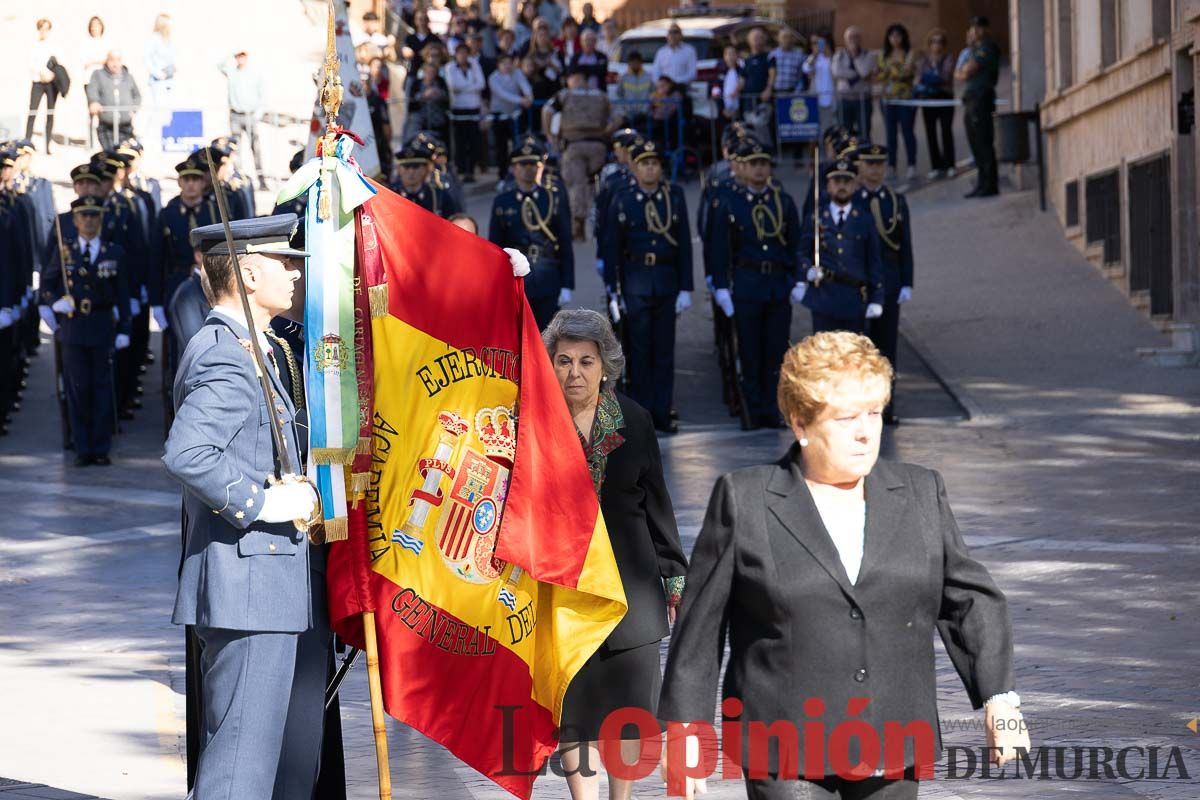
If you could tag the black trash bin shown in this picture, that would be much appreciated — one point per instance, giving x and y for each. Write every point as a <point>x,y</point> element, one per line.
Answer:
<point>1012,135</point>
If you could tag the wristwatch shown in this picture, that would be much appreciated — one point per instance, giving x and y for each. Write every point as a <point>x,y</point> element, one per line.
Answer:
<point>1010,697</point>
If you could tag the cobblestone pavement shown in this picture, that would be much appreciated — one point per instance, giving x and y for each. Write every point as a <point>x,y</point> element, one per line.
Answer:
<point>1074,480</point>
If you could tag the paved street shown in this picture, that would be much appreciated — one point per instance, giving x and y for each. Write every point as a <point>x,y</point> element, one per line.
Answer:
<point>1074,480</point>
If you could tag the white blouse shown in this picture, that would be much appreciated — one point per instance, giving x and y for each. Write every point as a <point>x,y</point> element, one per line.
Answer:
<point>846,524</point>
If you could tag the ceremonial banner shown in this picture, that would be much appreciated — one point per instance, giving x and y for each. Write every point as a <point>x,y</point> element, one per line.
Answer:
<point>354,114</point>
<point>335,190</point>
<point>480,546</point>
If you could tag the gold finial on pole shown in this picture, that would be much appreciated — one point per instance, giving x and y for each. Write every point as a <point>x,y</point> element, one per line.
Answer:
<point>331,89</point>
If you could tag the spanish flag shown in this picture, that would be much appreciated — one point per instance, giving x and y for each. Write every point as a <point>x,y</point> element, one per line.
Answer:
<point>479,545</point>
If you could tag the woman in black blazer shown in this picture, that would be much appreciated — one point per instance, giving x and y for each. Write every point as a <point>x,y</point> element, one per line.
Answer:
<point>827,572</point>
<point>623,457</point>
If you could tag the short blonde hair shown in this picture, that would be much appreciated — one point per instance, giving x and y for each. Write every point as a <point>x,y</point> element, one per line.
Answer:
<point>812,366</point>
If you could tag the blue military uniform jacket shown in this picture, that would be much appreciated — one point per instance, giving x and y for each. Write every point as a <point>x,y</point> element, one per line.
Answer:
<point>97,288</point>
<point>888,209</point>
<point>613,178</point>
<point>237,573</point>
<point>431,198</point>
<point>537,223</point>
<point>120,212</point>
<point>753,241</point>
<point>851,259</point>
<point>17,228</point>
<point>717,182</point>
<point>175,262</point>
<point>647,247</point>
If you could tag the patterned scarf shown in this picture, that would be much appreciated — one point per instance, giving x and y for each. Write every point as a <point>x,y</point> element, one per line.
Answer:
<point>605,437</point>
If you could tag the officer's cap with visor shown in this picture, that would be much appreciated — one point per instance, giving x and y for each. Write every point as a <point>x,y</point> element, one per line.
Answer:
<point>647,149</point>
<point>270,236</point>
<point>842,168</point>
<point>751,149</point>
<point>413,154</point>
<point>528,150</point>
<point>87,205</point>
<point>84,172</point>
<point>871,152</point>
<point>626,137</point>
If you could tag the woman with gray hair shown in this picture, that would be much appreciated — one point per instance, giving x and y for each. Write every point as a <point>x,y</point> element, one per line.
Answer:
<point>619,444</point>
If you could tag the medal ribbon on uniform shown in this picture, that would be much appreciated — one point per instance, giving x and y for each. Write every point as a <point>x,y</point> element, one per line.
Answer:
<point>335,189</point>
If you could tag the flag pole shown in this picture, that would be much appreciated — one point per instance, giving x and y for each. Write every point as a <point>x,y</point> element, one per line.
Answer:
<point>331,102</point>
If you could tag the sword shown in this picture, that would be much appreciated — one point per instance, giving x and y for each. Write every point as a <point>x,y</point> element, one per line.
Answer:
<point>286,472</point>
<point>334,685</point>
<point>817,215</point>
<point>63,254</point>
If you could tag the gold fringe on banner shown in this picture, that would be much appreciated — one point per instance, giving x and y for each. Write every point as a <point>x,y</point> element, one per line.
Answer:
<point>378,298</point>
<point>333,455</point>
<point>359,483</point>
<point>337,529</point>
<point>364,446</point>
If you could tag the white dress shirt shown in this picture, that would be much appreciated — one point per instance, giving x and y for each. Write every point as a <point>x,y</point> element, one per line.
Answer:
<point>677,63</point>
<point>846,525</point>
<point>840,213</point>
<point>89,248</point>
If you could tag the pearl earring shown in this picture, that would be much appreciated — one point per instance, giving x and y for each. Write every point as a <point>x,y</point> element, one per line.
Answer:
<point>803,442</point>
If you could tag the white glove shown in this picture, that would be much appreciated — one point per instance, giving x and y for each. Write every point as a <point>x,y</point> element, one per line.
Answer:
<point>285,502</point>
<point>798,291</point>
<point>145,296</point>
<point>813,274</point>
<point>6,318</point>
<point>708,282</point>
<point>874,311</point>
<point>520,263</point>
<point>48,317</point>
<point>905,295</point>
<point>63,305</point>
<point>600,267</point>
<point>724,301</point>
<point>564,296</point>
<point>683,302</point>
<point>160,317</point>
<point>122,341</point>
<point>135,307</point>
<point>24,301</point>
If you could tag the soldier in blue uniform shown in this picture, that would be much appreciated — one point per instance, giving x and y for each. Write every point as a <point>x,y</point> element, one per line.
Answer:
<point>888,209</point>
<point>133,174</point>
<point>221,159</point>
<point>837,142</point>
<point>413,166</point>
<point>263,626</point>
<point>537,222</point>
<point>96,292</point>
<point>192,208</point>
<point>648,262</point>
<point>239,190</point>
<point>441,173</point>
<point>754,230</point>
<point>614,176</point>
<point>847,288</point>
<point>16,249</point>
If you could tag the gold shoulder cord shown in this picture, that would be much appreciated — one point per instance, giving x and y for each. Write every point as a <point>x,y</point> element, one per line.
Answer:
<point>885,232</point>
<point>292,368</point>
<point>532,217</point>
<point>656,223</point>
<point>768,222</point>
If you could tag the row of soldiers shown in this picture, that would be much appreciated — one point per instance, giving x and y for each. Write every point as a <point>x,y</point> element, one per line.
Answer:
<point>26,218</point>
<point>106,267</point>
<point>847,256</point>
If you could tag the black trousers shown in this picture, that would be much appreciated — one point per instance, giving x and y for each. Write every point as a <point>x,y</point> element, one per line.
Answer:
<point>503,133</point>
<point>824,322</point>
<point>831,787</point>
<point>977,119</point>
<point>544,309</point>
<point>856,115</point>
<point>939,134</point>
<point>37,91</point>
<point>884,331</point>
<point>466,141</point>
<point>104,132</point>
<point>87,373</point>
<point>762,329</point>
<point>651,353</point>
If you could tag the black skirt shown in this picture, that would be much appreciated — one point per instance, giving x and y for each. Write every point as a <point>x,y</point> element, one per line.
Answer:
<point>610,680</point>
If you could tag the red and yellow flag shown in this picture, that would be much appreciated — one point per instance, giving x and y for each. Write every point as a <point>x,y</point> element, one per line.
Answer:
<point>480,545</point>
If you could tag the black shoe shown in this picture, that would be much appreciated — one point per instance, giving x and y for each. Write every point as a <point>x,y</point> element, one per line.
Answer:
<point>987,193</point>
<point>102,461</point>
<point>673,414</point>
<point>771,423</point>
<point>468,179</point>
<point>973,193</point>
<point>149,357</point>
<point>82,461</point>
<point>125,414</point>
<point>670,427</point>
<point>749,425</point>
<point>890,419</point>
